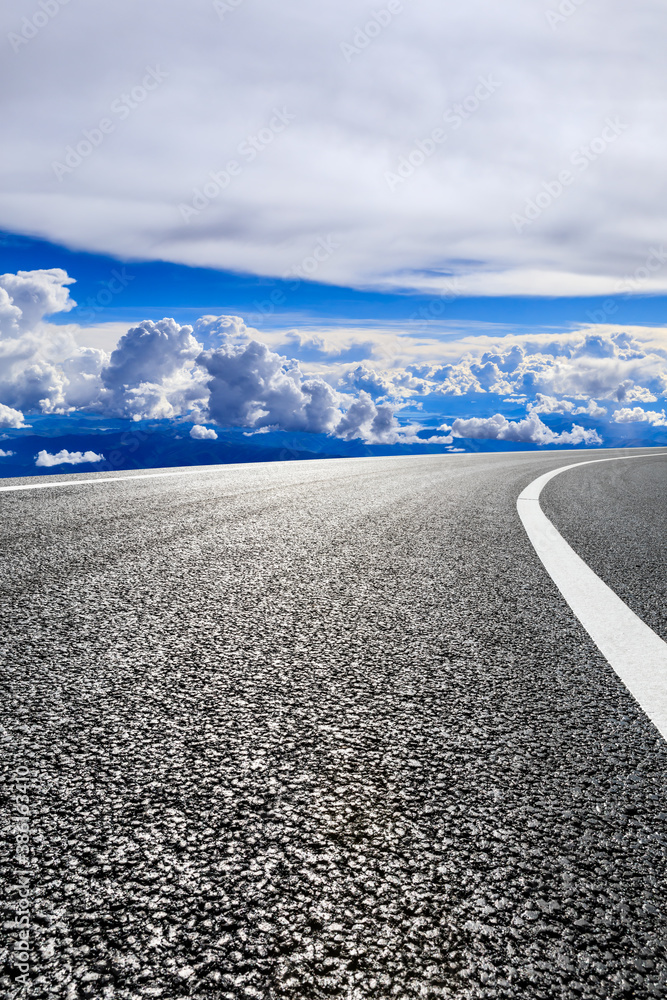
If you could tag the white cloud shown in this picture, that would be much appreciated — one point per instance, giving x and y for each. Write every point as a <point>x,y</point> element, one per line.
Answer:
<point>201,433</point>
<point>227,329</point>
<point>376,383</point>
<point>251,386</point>
<point>364,419</point>
<point>151,352</point>
<point>637,415</point>
<point>353,121</point>
<point>550,404</point>
<point>159,370</point>
<point>591,409</point>
<point>397,384</point>
<point>36,294</point>
<point>219,371</point>
<point>10,417</point>
<point>151,373</point>
<point>608,365</point>
<point>531,430</point>
<point>43,369</point>
<point>64,457</point>
<point>6,454</point>
<point>82,373</point>
<point>628,392</point>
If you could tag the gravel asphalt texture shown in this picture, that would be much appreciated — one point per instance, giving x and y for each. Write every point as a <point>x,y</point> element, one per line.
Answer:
<point>327,729</point>
<point>599,510</point>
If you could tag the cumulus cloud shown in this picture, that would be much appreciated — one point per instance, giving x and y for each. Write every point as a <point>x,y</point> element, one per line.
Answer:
<point>10,314</point>
<point>201,433</point>
<point>379,384</point>
<point>529,431</point>
<point>160,370</point>
<point>638,415</point>
<point>591,409</point>
<point>150,352</point>
<point>220,371</point>
<point>64,457</point>
<point>34,295</point>
<point>375,383</point>
<point>610,365</point>
<point>82,375</point>
<point>550,404</point>
<point>6,454</point>
<point>228,329</point>
<point>42,368</point>
<point>10,417</point>
<point>364,419</point>
<point>628,392</point>
<point>251,386</point>
<point>152,374</point>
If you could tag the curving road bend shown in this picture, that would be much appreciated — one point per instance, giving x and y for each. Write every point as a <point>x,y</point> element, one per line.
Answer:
<point>616,519</point>
<point>328,729</point>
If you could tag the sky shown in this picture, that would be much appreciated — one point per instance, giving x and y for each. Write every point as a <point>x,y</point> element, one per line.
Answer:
<point>248,230</point>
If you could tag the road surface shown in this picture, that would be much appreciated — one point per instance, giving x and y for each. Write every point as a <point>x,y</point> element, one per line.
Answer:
<point>328,729</point>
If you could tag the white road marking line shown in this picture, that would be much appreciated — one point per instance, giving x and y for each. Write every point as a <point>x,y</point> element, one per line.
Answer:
<point>182,472</point>
<point>631,648</point>
<point>191,472</point>
<point>109,479</point>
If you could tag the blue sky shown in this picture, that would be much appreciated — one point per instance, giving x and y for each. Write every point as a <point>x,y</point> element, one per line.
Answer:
<point>158,288</point>
<point>408,227</point>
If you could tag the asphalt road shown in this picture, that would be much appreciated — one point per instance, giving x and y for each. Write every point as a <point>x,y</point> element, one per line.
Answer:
<point>615,516</point>
<point>327,730</point>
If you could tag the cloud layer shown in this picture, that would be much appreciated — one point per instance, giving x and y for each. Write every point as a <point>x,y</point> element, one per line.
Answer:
<point>362,146</point>
<point>548,390</point>
<point>42,368</point>
<point>162,371</point>
<point>531,430</point>
<point>591,365</point>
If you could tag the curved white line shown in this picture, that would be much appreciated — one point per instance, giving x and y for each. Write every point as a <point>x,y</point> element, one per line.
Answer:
<point>631,648</point>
